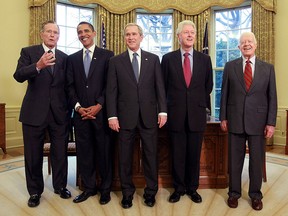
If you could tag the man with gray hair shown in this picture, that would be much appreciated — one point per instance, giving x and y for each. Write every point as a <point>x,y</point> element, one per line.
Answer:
<point>248,112</point>
<point>188,82</point>
<point>44,108</point>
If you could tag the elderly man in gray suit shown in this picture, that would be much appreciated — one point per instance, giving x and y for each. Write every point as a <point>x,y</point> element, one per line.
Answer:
<point>248,113</point>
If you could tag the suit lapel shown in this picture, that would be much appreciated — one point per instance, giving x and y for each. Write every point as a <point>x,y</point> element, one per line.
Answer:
<point>179,68</point>
<point>79,58</point>
<point>144,65</point>
<point>128,65</point>
<point>40,52</point>
<point>256,76</point>
<point>96,54</point>
<point>239,72</point>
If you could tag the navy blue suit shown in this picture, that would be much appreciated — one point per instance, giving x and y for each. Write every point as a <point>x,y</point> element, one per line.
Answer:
<point>186,115</point>
<point>93,135</point>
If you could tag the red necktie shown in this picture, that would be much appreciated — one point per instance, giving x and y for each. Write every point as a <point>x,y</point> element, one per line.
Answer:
<point>187,69</point>
<point>248,75</point>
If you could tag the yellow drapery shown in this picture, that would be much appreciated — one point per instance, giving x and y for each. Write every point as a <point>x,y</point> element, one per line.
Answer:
<point>116,13</point>
<point>189,7</point>
<point>114,26</point>
<point>38,15</point>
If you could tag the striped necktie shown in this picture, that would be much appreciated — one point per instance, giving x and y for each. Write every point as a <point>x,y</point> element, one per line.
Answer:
<point>248,75</point>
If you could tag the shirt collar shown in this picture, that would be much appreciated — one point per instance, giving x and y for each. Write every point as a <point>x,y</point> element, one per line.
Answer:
<point>131,52</point>
<point>190,52</point>
<point>46,49</point>
<point>252,60</point>
<point>91,49</point>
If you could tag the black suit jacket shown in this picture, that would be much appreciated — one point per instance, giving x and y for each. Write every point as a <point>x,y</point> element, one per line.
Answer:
<point>91,90</point>
<point>127,99</point>
<point>249,111</point>
<point>45,90</point>
<point>191,101</point>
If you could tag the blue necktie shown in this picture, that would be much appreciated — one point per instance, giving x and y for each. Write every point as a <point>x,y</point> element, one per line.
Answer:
<point>87,62</point>
<point>135,66</point>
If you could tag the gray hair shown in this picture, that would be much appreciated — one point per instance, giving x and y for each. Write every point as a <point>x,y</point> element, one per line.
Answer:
<point>183,23</point>
<point>251,34</point>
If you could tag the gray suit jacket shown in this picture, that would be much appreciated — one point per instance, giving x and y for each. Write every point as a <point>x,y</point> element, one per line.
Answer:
<point>249,111</point>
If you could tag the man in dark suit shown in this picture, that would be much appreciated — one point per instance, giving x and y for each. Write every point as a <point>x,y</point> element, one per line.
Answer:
<point>44,108</point>
<point>86,87</point>
<point>248,112</point>
<point>188,82</point>
<point>136,101</point>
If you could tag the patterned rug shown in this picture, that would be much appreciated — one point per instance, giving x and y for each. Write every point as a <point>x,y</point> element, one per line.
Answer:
<point>11,164</point>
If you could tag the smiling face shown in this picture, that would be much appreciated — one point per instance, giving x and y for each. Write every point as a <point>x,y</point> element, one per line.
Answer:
<point>187,37</point>
<point>86,35</point>
<point>247,45</point>
<point>50,35</point>
<point>133,38</point>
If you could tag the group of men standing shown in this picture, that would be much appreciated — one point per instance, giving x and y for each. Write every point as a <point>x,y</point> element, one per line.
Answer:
<point>134,93</point>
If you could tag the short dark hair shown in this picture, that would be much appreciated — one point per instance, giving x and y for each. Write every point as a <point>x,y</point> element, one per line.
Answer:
<point>87,23</point>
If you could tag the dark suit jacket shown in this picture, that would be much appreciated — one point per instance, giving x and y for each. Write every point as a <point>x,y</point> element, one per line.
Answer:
<point>44,90</point>
<point>88,91</point>
<point>248,111</point>
<point>126,99</point>
<point>184,101</point>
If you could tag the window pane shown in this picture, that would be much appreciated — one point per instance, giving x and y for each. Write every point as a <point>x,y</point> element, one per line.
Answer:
<point>229,24</point>
<point>221,58</point>
<point>68,17</point>
<point>218,78</point>
<point>157,30</point>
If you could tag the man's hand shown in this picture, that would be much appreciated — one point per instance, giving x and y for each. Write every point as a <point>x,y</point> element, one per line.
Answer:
<point>89,112</point>
<point>114,124</point>
<point>224,125</point>
<point>47,59</point>
<point>162,119</point>
<point>269,131</point>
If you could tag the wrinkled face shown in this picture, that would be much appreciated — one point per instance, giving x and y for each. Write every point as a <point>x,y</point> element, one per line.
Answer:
<point>86,35</point>
<point>133,38</point>
<point>187,37</point>
<point>50,35</point>
<point>247,46</point>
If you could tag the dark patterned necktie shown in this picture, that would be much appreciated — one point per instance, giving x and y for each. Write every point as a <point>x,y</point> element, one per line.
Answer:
<point>52,66</point>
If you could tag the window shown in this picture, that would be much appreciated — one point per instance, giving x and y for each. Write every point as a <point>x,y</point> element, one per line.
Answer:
<point>158,33</point>
<point>229,25</point>
<point>68,17</point>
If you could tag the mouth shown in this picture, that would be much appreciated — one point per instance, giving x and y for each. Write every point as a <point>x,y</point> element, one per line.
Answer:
<point>84,39</point>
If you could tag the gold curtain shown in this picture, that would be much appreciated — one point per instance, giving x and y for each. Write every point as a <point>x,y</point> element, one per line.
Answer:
<point>199,20</point>
<point>38,15</point>
<point>114,26</point>
<point>189,7</point>
<point>263,28</point>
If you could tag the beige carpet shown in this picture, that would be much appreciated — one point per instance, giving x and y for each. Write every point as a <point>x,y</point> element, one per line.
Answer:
<point>14,196</point>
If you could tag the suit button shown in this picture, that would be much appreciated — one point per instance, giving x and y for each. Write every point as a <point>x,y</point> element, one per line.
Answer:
<point>86,86</point>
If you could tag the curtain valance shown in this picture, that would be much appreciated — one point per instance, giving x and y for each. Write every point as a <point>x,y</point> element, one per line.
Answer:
<point>189,7</point>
